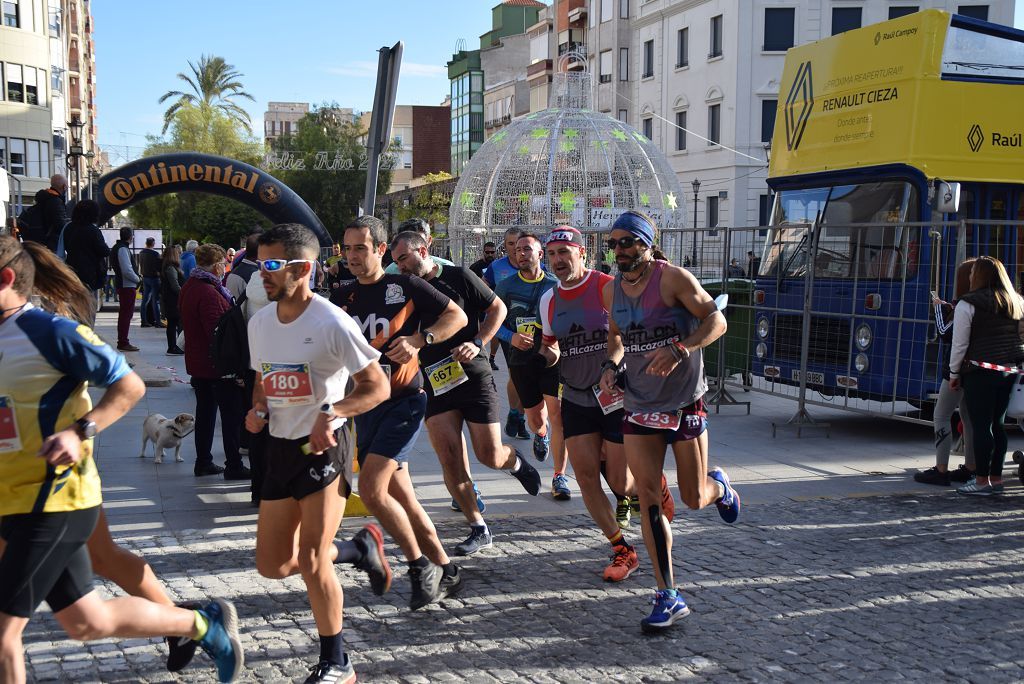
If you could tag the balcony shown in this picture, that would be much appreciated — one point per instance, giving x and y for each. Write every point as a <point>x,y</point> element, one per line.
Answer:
<point>572,47</point>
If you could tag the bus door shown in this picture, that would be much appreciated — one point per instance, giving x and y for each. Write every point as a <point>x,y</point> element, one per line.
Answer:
<point>994,203</point>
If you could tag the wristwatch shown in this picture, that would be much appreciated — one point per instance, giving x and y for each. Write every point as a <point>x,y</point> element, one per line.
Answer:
<point>478,342</point>
<point>428,337</point>
<point>85,428</point>
<point>327,409</point>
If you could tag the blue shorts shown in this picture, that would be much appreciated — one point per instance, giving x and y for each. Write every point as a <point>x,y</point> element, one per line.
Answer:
<point>693,422</point>
<point>390,429</point>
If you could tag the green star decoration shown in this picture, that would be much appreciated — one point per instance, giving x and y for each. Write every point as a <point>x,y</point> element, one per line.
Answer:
<point>645,199</point>
<point>567,146</point>
<point>524,198</point>
<point>566,201</point>
<point>670,200</point>
<point>571,133</point>
<point>599,144</point>
<point>466,199</point>
<point>499,205</point>
<point>499,136</point>
<point>618,134</point>
<point>640,137</point>
<point>539,133</point>
<point>523,149</point>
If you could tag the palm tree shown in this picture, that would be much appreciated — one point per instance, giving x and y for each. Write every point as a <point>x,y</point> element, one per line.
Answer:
<point>214,83</point>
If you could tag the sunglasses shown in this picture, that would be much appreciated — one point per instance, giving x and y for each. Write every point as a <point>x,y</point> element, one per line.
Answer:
<point>275,265</point>
<point>623,242</point>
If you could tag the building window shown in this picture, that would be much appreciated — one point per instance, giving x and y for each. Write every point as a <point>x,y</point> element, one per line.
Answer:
<point>606,10</point>
<point>768,109</point>
<point>648,128</point>
<point>606,66</point>
<point>17,157</point>
<point>682,47</point>
<point>15,86</point>
<point>714,124</point>
<point>32,159</point>
<point>901,11</point>
<point>56,80</point>
<point>31,87</point>
<point>974,11</point>
<point>712,211</point>
<point>623,116</point>
<point>623,64</point>
<point>845,19</point>
<point>3,153</point>
<point>764,208</point>
<point>11,12</point>
<point>623,9</point>
<point>3,94</point>
<point>648,59</point>
<point>680,131</point>
<point>716,37</point>
<point>778,28</point>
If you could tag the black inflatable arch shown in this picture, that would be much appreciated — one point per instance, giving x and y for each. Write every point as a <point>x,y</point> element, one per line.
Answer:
<point>194,172</point>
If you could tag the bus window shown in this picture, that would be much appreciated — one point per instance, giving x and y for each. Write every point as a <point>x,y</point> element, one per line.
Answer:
<point>794,213</point>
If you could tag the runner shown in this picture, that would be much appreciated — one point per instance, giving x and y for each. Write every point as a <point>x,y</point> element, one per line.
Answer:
<point>460,388</point>
<point>421,226</point>
<point>50,492</point>
<point>662,317</point>
<point>508,265</point>
<point>575,326</point>
<point>400,315</point>
<point>304,352</point>
<point>536,383</point>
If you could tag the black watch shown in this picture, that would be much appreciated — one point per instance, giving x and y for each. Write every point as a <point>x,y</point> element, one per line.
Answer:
<point>327,409</point>
<point>478,342</point>
<point>428,338</point>
<point>85,428</point>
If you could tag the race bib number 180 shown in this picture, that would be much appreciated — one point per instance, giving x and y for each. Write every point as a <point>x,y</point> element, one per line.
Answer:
<point>287,384</point>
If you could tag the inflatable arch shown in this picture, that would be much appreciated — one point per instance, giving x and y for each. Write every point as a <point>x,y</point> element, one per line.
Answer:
<point>194,172</point>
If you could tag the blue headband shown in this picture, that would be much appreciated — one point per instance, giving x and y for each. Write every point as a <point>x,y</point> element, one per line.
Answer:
<point>637,224</point>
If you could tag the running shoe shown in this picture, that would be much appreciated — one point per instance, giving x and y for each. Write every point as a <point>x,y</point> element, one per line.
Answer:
<point>622,513</point>
<point>494,364</point>
<point>180,650</point>
<point>624,564</point>
<point>540,447</point>
<point>426,585</point>
<point>527,476</point>
<point>521,431</point>
<point>326,671</point>
<point>961,474</point>
<point>668,504</point>
<point>221,640</point>
<point>972,488</point>
<point>729,504</point>
<point>374,563</point>
<point>512,424</point>
<point>669,607</point>
<point>480,505</point>
<point>932,476</point>
<point>451,584</point>
<point>634,504</point>
<point>998,488</point>
<point>560,488</point>
<point>479,538</point>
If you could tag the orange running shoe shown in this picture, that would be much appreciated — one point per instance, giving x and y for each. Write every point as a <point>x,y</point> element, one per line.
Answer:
<point>624,564</point>
<point>668,504</point>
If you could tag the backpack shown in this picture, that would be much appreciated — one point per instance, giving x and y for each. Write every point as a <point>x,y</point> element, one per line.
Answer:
<point>61,251</point>
<point>30,224</point>
<point>229,345</point>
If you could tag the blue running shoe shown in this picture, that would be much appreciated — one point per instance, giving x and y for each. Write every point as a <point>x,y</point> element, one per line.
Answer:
<point>729,504</point>
<point>540,447</point>
<point>221,641</point>
<point>480,505</point>
<point>560,488</point>
<point>669,607</point>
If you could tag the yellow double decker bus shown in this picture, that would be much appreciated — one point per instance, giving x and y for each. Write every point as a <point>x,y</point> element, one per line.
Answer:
<point>897,151</point>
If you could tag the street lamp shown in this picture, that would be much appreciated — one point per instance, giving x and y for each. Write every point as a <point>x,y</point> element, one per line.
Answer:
<point>75,150</point>
<point>696,190</point>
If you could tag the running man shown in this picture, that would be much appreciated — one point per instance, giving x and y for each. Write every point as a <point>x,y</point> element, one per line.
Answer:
<point>398,315</point>
<point>50,492</point>
<point>304,352</point>
<point>500,269</point>
<point>460,387</point>
<point>421,226</point>
<point>662,317</point>
<point>535,381</point>
<point>575,326</point>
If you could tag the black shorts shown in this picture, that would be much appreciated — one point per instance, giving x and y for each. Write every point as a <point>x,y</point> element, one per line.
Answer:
<point>584,420</point>
<point>533,382</point>
<point>45,559</point>
<point>692,424</point>
<point>292,473</point>
<point>476,399</point>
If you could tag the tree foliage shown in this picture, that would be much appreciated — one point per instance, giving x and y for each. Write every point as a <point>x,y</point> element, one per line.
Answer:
<point>215,84</point>
<point>430,201</point>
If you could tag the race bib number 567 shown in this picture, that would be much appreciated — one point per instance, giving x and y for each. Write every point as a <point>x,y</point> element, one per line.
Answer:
<point>287,384</point>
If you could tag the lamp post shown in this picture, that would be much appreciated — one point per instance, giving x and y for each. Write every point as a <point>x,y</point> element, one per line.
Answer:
<point>696,190</point>
<point>75,151</point>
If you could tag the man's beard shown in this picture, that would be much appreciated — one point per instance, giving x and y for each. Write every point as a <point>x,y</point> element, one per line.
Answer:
<point>630,266</point>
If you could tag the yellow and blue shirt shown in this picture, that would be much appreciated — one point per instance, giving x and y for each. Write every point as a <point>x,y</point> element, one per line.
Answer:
<point>46,365</point>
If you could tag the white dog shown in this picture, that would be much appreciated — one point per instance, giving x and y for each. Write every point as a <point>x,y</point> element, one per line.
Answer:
<point>164,433</point>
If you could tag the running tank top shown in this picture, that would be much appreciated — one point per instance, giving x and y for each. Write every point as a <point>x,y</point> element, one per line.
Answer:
<point>646,323</point>
<point>580,323</point>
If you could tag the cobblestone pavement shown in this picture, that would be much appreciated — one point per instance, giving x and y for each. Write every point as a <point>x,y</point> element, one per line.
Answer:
<point>926,587</point>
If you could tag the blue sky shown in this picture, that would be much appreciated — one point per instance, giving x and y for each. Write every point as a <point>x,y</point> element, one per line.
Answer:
<point>303,50</point>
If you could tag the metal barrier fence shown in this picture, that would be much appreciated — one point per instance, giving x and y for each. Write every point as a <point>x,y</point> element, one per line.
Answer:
<point>822,313</point>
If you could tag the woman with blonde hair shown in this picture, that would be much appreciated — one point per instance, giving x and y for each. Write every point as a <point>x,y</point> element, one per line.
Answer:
<point>986,357</point>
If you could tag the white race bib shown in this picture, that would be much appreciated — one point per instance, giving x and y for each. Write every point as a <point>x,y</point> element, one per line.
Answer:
<point>610,402</point>
<point>287,384</point>
<point>658,421</point>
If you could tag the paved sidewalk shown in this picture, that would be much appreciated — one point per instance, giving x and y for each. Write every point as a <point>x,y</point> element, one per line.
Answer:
<point>841,568</point>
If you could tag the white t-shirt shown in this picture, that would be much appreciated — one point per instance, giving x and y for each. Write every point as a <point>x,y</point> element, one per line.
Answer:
<point>305,363</point>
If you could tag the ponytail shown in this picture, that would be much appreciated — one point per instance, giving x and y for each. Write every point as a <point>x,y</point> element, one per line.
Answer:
<point>46,275</point>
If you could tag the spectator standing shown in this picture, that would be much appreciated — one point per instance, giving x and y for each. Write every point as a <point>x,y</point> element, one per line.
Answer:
<point>202,302</point>
<point>52,212</point>
<point>86,249</point>
<point>229,259</point>
<point>986,355</point>
<point>126,281</point>
<point>188,259</point>
<point>171,280</point>
<point>949,399</point>
<point>735,270</point>
<point>479,266</point>
<point>149,268</point>
<point>239,275</point>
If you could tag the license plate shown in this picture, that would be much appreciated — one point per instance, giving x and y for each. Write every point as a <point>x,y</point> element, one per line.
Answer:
<point>812,378</point>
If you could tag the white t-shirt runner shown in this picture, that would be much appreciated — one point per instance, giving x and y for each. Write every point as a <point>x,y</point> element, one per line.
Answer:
<point>305,363</point>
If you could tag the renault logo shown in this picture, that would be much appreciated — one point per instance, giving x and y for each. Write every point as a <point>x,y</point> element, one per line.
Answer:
<point>975,138</point>
<point>799,103</point>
